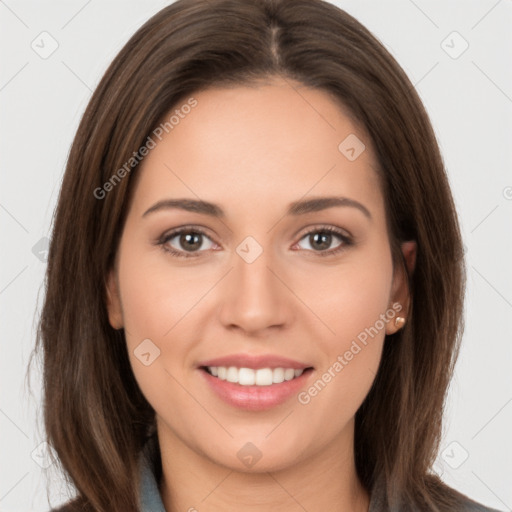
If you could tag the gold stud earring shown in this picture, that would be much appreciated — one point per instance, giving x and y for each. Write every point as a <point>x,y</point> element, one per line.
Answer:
<point>399,322</point>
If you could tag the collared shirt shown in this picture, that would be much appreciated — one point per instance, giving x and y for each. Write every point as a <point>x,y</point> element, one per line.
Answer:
<point>151,501</point>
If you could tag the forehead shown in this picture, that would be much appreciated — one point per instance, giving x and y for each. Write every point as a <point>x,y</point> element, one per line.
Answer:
<point>273,142</point>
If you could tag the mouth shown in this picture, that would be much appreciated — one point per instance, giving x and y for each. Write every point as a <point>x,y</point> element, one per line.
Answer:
<point>255,389</point>
<point>255,376</point>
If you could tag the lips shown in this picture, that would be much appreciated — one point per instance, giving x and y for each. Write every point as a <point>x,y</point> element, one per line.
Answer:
<point>255,362</point>
<point>267,393</point>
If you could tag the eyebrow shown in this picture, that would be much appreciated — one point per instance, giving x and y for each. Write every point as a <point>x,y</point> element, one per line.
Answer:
<point>296,208</point>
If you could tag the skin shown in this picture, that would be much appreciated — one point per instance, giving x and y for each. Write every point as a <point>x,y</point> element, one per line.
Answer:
<point>290,301</point>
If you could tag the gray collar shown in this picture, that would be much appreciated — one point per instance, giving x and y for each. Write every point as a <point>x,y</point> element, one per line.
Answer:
<point>150,499</point>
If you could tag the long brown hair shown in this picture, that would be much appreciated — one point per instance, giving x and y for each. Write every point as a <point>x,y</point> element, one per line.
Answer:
<point>95,415</point>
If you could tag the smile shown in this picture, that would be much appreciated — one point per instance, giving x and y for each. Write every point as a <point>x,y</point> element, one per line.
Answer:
<point>254,377</point>
<point>255,389</point>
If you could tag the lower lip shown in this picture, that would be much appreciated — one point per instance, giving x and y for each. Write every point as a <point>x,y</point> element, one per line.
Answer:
<point>256,398</point>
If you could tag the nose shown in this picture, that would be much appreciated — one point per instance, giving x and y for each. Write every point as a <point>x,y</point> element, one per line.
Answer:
<point>255,297</point>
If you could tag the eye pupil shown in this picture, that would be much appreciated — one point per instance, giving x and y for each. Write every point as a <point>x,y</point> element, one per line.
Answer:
<point>188,240</point>
<point>320,240</point>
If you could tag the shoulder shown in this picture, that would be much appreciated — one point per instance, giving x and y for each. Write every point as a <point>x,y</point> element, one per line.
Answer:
<point>462,503</point>
<point>74,505</point>
<point>450,499</point>
<point>433,495</point>
<point>468,505</point>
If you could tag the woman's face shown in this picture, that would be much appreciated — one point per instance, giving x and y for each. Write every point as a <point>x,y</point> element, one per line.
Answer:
<point>263,278</point>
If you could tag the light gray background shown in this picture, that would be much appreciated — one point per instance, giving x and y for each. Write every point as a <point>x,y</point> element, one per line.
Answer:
<point>469,100</point>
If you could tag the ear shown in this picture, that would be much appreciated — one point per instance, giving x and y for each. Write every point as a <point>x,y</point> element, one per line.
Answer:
<point>400,290</point>
<point>115,313</point>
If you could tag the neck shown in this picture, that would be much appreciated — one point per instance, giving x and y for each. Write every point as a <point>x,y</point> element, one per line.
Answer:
<point>326,481</point>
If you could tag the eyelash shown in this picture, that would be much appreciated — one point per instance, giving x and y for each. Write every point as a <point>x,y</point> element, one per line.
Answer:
<point>347,241</point>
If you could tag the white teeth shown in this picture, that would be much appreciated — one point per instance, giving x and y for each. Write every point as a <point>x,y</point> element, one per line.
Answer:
<point>232,374</point>
<point>278,375</point>
<point>289,374</point>
<point>246,377</point>
<point>250,377</point>
<point>263,377</point>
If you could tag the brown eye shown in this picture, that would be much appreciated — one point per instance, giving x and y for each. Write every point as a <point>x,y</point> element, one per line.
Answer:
<point>182,242</point>
<point>320,240</point>
<point>190,241</point>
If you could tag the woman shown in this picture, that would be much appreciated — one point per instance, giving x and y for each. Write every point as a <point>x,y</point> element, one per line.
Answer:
<point>251,302</point>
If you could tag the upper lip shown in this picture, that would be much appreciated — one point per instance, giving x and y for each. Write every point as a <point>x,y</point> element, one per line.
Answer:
<point>255,362</point>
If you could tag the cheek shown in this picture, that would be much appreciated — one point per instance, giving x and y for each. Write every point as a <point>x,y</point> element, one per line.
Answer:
<point>157,305</point>
<point>153,302</point>
<point>157,296</point>
<point>354,305</point>
<point>351,297</point>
